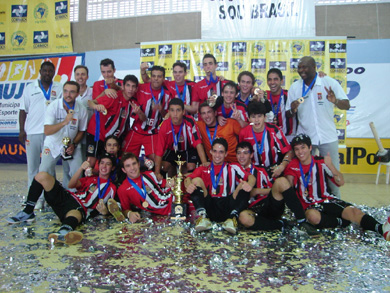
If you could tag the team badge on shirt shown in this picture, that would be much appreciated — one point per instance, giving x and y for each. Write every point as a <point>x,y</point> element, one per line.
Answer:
<point>147,188</point>
<point>53,93</point>
<point>319,95</point>
<point>92,188</point>
<point>46,151</point>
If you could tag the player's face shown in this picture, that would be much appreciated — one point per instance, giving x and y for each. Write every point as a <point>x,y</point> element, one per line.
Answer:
<point>81,76</point>
<point>274,82</point>
<point>258,122</point>
<point>244,157</point>
<point>209,66</point>
<point>132,168</point>
<point>246,84</point>
<point>229,94</point>
<point>157,79</point>
<point>129,90</point>
<point>112,147</point>
<point>70,93</point>
<point>209,116</point>
<point>107,71</point>
<point>218,154</point>
<point>47,73</point>
<point>179,75</point>
<point>303,153</point>
<point>306,70</point>
<point>176,113</point>
<point>105,167</point>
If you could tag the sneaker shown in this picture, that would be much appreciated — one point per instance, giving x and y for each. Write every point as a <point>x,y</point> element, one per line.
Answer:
<point>114,209</point>
<point>230,225</point>
<point>309,229</point>
<point>386,229</point>
<point>21,217</point>
<point>203,224</point>
<point>69,238</point>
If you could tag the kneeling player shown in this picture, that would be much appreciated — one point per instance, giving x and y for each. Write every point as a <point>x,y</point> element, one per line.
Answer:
<point>308,175</point>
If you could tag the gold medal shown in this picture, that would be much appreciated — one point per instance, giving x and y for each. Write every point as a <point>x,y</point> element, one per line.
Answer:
<point>47,103</point>
<point>306,193</point>
<point>71,111</point>
<point>104,112</point>
<point>257,91</point>
<point>145,204</point>
<point>301,100</point>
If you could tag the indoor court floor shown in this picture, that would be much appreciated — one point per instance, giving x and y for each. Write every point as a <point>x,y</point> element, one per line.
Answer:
<point>159,255</point>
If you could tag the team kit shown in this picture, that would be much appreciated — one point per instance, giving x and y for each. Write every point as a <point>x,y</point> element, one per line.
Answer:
<point>223,151</point>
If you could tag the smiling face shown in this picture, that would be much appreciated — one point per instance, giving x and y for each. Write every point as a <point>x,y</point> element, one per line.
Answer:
<point>218,154</point>
<point>81,76</point>
<point>131,168</point>
<point>307,69</point>
<point>70,93</point>
<point>209,116</point>
<point>179,75</point>
<point>107,71</point>
<point>245,84</point>
<point>275,83</point>
<point>258,121</point>
<point>244,157</point>
<point>303,153</point>
<point>229,95</point>
<point>105,168</point>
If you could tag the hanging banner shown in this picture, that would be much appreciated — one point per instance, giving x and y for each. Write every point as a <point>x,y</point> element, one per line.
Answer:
<point>16,74</point>
<point>250,19</point>
<point>257,56</point>
<point>34,27</point>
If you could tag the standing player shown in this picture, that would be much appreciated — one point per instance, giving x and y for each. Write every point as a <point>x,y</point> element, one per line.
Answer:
<point>109,85</point>
<point>219,192</point>
<point>178,136</point>
<point>308,175</point>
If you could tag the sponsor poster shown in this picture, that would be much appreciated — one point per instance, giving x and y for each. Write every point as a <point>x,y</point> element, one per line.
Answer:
<point>34,27</point>
<point>257,56</point>
<point>244,19</point>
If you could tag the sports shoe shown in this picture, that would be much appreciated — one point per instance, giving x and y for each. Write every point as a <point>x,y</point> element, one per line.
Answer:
<point>114,209</point>
<point>203,224</point>
<point>309,229</point>
<point>230,225</point>
<point>386,229</point>
<point>69,238</point>
<point>21,217</point>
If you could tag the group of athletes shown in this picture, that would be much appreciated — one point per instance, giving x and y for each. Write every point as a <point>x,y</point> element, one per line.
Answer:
<point>244,161</point>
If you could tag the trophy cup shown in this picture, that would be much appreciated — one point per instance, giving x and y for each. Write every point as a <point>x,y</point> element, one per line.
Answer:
<point>64,155</point>
<point>179,209</point>
<point>212,100</point>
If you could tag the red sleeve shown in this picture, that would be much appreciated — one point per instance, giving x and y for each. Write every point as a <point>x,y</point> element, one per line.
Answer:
<point>162,142</point>
<point>124,197</point>
<point>195,93</point>
<point>96,90</point>
<point>197,172</point>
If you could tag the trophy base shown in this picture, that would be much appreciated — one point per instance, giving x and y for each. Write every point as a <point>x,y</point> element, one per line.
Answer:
<point>179,211</point>
<point>64,155</point>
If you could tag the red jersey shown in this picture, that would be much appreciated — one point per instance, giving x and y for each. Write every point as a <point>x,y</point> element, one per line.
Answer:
<point>228,112</point>
<point>118,113</point>
<point>262,181</point>
<point>146,101</point>
<point>317,189</point>
<point>87,194</point>
<point>274,143</point>
<point>202,90</point>
<point>278,104</point>
<point>228,180</point>
<point>158,197</point>
<point>179,92</point>
<point>189,135</point>
<point>100,85</point>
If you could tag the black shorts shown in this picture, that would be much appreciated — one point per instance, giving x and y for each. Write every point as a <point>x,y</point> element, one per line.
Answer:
<point>332,207</point>
<point>269,208</point>
<point>62,201</point>
<point>190,156</point>
<point>94,148</point>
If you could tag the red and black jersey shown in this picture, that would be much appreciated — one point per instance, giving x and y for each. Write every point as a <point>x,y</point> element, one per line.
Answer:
<point>278,103</point>
<point>158,196</point>
<point>202,90</point>
<point>100,85</point>
<point>275,145</point>
<point>317,189</point>
<point>228,112</point>
<point>262,181</point>
<point>179,92</point>
<point>115,121</point>
<point>228,181</point>
<point>189,135</point>
<point>147,103</point>
<point>87,194</point>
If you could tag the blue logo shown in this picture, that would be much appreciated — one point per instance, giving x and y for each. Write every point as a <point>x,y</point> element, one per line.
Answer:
<point>258,63</point>
<point>183,49</point>
<point>337,63</point>
<point>186,62</point>
<point>41,37</point>
<point>148,52</point>
<point>317,46</point>
<point>223,66</point>
<point>338,48</point>
<point>61,7</point>
<point>281,65</point>
<point>2,38</point>
<point>18,11</point>
<point>294,63</point>
<point>239,47</point>
<point>165,49</point>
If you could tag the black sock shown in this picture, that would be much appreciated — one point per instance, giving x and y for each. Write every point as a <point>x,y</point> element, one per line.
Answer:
<point>69,223</point>
<point>369,223</point>
<point>264,224</point>
<point>198,200</point>
<point>292,201</point>
<point>328,221</point>
<point>34,192</point>
<point>240,203</point>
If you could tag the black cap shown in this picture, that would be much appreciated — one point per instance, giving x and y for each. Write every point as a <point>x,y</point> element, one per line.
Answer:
<point>301,139</point>
<point>109,156</point>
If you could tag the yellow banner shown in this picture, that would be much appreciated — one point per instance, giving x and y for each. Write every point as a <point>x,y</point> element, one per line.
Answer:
<point>34,27</point>
<point>257,56</point>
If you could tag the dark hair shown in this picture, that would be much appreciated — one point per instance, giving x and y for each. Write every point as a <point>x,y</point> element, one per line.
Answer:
<point>222,141</point>
<point>277,71</point>
<point>106,62</point>
<point>127,156</point>
<point>176,101</point>
<point>81,66</point>
<point>180,64</point>
<point>247,73</point>
<point>131,78</point>
<point>256,107</point>
<point>205,104</point>
<point>244,144</point>
<point>231,84</point>
<point>48,63</point>
<point>111,137</point>
<point>108,156</point>
<point>301,139</point>
<point>158,68</point>
<point>208,55</point>
<point>72,82</point>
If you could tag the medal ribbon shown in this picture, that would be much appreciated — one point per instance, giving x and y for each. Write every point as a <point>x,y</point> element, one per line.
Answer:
<point>307,179</point>
<point>161,95</point>
<point>224,112</point>
<point>209,134</point>
<point>182,97</point>
<point>141,192</point>
<point>276,111</point>
<point>100,192</point>
<point>259,149</point>
<point>212,80</point>
<point>97,125</point>
<point>215,184</point>
<point>67,105</point>
<point>46,93</point>
<point>176,138</point>
<point>105,85</point>
<point>251,171</point>
<point>304,92</point>
<point>248,99</point>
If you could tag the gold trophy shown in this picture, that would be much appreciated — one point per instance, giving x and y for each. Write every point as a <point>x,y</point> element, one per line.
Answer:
<point>212,100</point>
<point>64,155</point>
<point>179,209</point>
